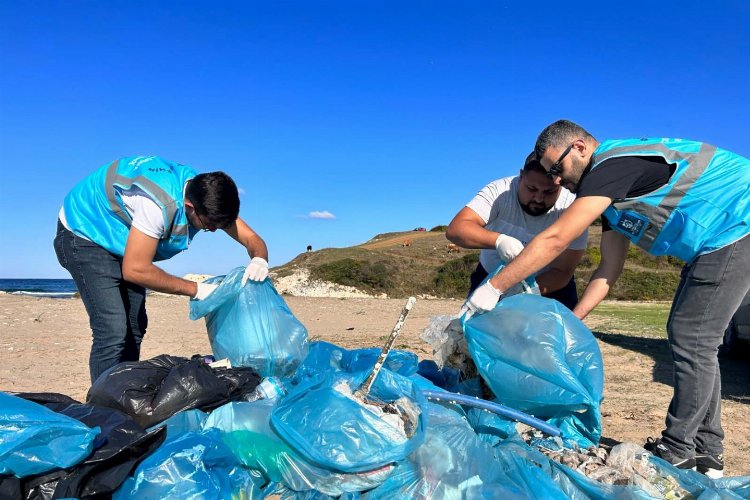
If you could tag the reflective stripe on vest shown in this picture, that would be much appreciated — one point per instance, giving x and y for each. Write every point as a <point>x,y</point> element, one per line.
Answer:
<point>114,179</point>
<point>658,214</point>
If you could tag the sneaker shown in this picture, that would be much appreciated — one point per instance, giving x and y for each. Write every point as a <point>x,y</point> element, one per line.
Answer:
<point>661,450</point>
<point>710,465</point>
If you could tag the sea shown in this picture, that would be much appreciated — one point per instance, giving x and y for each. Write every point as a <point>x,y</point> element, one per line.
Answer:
<point>58,289</point>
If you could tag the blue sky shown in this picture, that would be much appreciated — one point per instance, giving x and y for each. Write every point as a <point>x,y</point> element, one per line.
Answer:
<point>387,115</point>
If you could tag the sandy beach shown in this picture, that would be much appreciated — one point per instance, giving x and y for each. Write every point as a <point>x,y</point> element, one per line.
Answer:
<point>45,345</point>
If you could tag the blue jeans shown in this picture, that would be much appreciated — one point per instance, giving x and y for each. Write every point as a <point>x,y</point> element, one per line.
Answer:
<point>711,290</point>
<point>116,308</point>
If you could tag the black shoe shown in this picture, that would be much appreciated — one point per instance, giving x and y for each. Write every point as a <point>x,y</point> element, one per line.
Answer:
<point>710,465</point>
<point>661,450</point>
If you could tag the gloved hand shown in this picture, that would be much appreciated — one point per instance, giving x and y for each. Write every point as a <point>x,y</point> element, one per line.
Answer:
<point>204,290</point>
<point>256,270</point>
<point>482,300</point>
<point>508,247</point>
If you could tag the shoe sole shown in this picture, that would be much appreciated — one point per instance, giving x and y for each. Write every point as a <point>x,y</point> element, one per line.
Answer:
<point>712,473</point>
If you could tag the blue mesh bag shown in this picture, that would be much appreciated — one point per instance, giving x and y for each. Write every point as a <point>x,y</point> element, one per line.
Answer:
<point>537,357</point>
<point>251,325</point>
<point>35,439</point>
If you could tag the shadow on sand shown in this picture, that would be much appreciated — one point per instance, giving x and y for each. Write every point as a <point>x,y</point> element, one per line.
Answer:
<point>735,372</point>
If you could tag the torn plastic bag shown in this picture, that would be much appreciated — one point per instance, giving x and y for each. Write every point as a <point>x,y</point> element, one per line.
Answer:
<point>153,390</point>
<point>247,431</point>
<point>537,357</point>
<point>452,463</point>
<point>35,439</point>
<point>326,424</point>
<point>117,450</point>
<point>326,357</point>
<point>251,325</point>
<point>191,466</point>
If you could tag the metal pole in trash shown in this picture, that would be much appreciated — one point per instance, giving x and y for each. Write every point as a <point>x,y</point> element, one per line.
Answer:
<point>364,389</point>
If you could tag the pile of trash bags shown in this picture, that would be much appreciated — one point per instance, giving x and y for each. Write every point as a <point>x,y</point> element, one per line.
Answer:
<point>288,419</point>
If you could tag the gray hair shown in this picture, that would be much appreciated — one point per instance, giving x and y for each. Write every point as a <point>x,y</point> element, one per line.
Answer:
<point>559,135</point>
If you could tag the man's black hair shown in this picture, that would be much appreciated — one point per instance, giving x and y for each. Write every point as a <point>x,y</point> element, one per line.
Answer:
<point>215,198</point>
<point>532,164</point>
<point>559,134</point>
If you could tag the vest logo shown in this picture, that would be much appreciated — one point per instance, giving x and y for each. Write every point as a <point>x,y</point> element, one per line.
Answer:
<point>631,224</point>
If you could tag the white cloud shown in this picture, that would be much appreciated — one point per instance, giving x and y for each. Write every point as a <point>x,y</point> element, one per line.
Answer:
<point>325,214</point>
<point>240,191</point>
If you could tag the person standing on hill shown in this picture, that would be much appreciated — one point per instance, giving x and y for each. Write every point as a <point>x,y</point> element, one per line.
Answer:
<point>670,197</point>
<point>119,220</point>
<point>505,215</point>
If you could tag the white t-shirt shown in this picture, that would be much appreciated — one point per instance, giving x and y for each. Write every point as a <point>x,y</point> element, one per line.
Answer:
<point>146,214</point>
<point>497,205</point>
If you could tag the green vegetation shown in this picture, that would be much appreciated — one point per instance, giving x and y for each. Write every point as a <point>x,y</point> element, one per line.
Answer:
<point>643,319</point>
<point>385,265</point>
<point>439,229</point>
<point>369,276</point>
<point>452,278</point>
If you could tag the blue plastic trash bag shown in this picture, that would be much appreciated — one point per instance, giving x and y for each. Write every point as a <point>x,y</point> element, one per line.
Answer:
<point>453,463</point>
<point>326,424</point>
<point>191,466</point>
<point>35,439</point>
<point>251,325</point>
<point>325,357</point>
<point>537,357</point>
<point>246,429</point>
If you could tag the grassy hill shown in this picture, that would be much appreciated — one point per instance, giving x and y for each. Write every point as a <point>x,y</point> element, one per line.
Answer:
<point>385,264</point>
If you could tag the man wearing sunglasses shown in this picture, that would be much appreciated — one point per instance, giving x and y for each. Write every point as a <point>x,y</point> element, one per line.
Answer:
<point>119,220</point>
<point>672,197</point>
<point>506,214</point>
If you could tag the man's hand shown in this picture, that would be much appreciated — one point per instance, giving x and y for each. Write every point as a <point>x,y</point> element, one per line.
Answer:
<point>482,300</point>
<point>256,270</point>
<point>508,247</point>
<point>204,290</point>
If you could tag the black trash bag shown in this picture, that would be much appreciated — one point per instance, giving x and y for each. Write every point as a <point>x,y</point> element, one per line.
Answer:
<point>153,390</point>
<point>118,450</point>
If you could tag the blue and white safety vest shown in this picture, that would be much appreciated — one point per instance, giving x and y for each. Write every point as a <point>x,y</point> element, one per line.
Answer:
<point>94,208</point>
<point>703,207</point>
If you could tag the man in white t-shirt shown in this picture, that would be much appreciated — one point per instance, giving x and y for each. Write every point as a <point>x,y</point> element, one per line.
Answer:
<point>505,215</point>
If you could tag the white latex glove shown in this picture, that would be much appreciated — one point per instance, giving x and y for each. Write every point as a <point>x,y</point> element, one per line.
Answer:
<point>204,290</point>
<point>508,247</point>
<point>256,270</point>
<point>482,300</point>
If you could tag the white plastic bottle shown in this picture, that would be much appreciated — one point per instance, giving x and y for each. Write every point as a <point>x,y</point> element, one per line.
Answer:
<point>269,388</point>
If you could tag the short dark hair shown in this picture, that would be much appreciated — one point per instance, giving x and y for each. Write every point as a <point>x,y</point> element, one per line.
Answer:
<point>215,197</point>
<point>532,164</point>
<point>559,135</point>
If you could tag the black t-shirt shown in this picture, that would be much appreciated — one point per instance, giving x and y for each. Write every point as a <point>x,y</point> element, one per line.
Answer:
<point>625,177</point>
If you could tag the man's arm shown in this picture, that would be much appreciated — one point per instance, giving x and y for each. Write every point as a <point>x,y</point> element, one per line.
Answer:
<point>245,236</point>
<point>551,242</point>
<point>614,250</point>
<point>467,230</point>
<point>560,271</point>
<point>138,267</point>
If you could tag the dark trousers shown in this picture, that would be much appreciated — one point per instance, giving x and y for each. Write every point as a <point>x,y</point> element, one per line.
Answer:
<point>116,308</point>
<point>711,290</point>
<point>567,295</point>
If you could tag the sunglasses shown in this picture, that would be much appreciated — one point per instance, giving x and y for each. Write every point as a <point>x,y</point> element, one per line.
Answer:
<point>556,169</point>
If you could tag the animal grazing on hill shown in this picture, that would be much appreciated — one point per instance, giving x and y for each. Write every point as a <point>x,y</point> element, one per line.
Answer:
<point>452,248</point>
<point>406,243</point>
<point>309,248</point>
